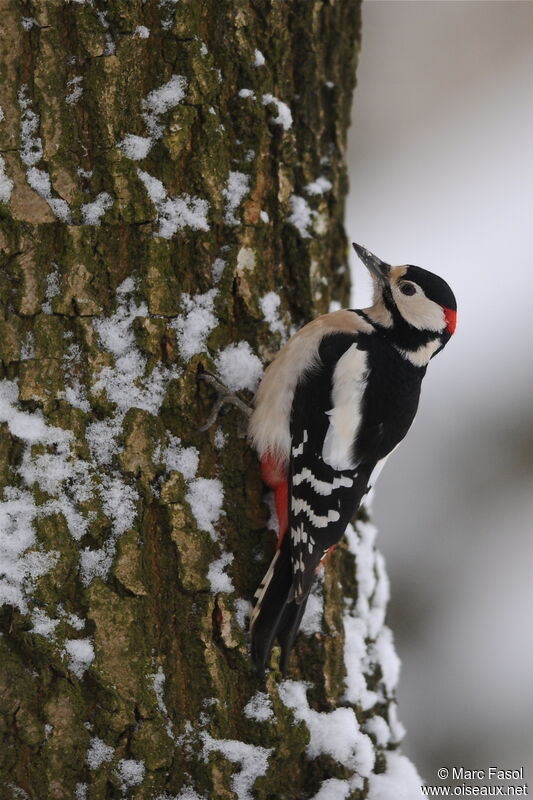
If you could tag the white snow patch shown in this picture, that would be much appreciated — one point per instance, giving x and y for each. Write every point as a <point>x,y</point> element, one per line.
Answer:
<point>335,734</point>
<point>39,180</point>
<point>72,619</point>
<point>384,654</point>
<point>239,367</point>
<point>174,214</point>
<point>196,323</point>
<point>334,305</point>
<point>334,789</point>
<point>259,58</point>
<point>125,383</point>
<point>205,497</point>
<point>264,216</point>
<point>81,655</point>
<point>401,781</point>
<point>270,305</point>
<point>30,427</point>
<point>356,662</point>
<point>320,186</point>
<point>179,458</point>
<point>32,147</point>
<point>76,90</point>
<point>372,578</point>
<point>246,93</point>
<point>243,612</point>
<point>259,707</point>
<point>237,186</point>
<point>220,439</point>
<point>217,269</point>
<point>219,580</point>
<point>301,215</point>
<point>42,624</point>
<point>156,191</point>
<point>187,793</point>
<point>161,100</point>
<point>157,103</point>
<point>31,152</point>
<point>20,562</point>
<point>27,349</point>
<point>130,772</point>
<point>141,32</point>
<point>119,505</point>
<point>159,680</point>
<point>252,759</point>
<point>159,689</point>
<point>82,789</point>
<point>110,46</point>
<point>397,730</point>
<point>284,117</point>
<point>52,289</point>
<point>101,437</point>
<point>98,753</point>
<point>127,386</point>
<point>378,728</point>
<point>118,502</point>
<point>368,642</point>
<point>314,611</point>
<point>74,393</point>
<point>6,184</point>
<point>92,213</point>
<point>135,147</point>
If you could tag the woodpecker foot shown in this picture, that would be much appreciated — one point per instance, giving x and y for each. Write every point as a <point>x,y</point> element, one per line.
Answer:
<point>225,397</point>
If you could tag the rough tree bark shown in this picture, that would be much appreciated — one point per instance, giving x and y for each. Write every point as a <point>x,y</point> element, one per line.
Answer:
<point>158,204</point>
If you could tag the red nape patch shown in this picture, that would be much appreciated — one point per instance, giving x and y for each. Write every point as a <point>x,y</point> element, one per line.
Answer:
<point>274,473</point>
<point>451,319</point>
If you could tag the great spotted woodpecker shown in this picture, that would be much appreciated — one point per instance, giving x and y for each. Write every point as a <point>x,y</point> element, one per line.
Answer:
<point>335,402</point>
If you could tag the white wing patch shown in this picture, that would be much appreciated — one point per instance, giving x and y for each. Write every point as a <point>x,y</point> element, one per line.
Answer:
<point>349,381</point>
<point>323,488</point>
<point>298,451</point>
<point>318,521</point>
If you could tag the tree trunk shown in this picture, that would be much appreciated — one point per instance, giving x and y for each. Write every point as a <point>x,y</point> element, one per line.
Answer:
<point>172,184</point>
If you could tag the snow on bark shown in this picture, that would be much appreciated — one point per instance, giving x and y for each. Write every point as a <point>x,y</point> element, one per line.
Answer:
<point>155,530</point>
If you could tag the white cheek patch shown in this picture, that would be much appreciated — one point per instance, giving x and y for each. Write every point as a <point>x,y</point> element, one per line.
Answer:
<point>419,311</point>
<point>349,381</point>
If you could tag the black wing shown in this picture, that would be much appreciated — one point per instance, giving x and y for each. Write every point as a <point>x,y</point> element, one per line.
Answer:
<point>322,499</point>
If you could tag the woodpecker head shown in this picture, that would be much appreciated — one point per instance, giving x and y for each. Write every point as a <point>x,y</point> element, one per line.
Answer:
<point>416,304</point>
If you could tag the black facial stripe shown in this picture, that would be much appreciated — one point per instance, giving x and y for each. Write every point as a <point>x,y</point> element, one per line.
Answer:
<point>434,288</point>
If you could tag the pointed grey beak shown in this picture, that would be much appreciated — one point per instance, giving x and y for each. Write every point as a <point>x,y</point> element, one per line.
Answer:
<point>375,266</point>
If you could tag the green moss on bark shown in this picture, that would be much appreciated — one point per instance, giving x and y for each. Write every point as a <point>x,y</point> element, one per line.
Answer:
<point>153,609</point>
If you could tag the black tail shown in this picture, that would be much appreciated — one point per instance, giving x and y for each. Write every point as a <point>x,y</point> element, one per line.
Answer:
<point>273,616</point>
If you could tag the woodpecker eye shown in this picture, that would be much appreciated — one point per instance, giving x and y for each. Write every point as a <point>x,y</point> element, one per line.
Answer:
<point>407,288</point>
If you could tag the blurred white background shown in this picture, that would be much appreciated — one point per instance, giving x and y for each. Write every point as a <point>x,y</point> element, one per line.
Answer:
<point>441,162</point>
